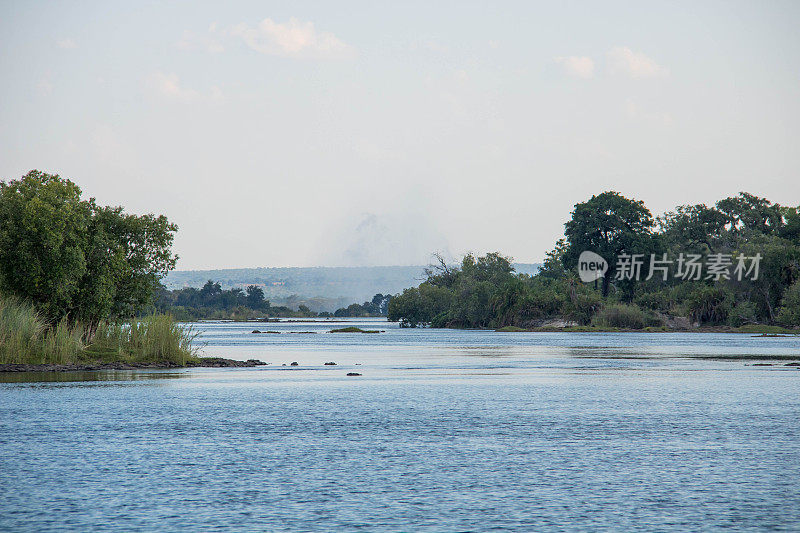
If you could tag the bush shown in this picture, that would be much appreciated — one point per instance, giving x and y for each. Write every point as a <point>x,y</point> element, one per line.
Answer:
<point>582,306</point>
<point>707,304</point>
<point>625,316</point>
<point>742,313</point>
<point>661,300</point>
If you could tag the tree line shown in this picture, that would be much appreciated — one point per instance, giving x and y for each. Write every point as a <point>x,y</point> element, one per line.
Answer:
<point>212,302</point>
<point>485,292</point>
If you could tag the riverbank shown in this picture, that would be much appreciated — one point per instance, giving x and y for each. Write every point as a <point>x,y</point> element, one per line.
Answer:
<point>200,362</point>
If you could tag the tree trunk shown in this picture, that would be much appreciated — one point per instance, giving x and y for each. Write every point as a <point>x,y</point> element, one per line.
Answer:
<point>606,283</point>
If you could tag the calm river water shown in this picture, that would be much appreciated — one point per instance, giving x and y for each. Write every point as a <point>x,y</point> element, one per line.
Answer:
<point>443,431</point>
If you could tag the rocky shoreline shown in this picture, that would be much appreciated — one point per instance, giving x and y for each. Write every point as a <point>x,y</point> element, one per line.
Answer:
<point>203,362</point>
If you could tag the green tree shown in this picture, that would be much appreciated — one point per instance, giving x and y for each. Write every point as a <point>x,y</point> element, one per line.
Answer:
<point>255,297</point>
<point>74,259</point>
<point>694,228</point>
<point>789,313</point>
<point>43,238</point>
<point>608,224</point>
<point>749,212</point>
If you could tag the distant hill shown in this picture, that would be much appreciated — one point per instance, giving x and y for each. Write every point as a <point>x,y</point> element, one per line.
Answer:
<point>342,284</point>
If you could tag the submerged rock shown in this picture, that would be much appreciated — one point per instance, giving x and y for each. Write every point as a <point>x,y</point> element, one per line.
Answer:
<point>329,363</point>
<point>353,374</point>
<point>295,363</point>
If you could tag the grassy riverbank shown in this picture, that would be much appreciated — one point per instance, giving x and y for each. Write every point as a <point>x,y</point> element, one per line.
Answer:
<point>26,338</point>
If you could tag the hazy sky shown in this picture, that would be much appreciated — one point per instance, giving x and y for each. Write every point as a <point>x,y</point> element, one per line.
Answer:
<point>325,133</point>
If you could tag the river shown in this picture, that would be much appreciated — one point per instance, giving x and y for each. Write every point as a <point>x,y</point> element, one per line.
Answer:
<point>442,431</point>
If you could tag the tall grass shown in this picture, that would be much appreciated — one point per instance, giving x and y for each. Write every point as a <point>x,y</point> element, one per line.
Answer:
<point>154,339</point>
<point>26,338</point>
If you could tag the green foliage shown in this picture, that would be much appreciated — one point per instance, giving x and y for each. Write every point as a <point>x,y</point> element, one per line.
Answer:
<point>789,314</point>
<point>27,338</point>
<point>742,313</point>
<point>624,316</point>
<point>74,259</point>
<point>378,306</point>
<point>43,236</point>
<point>709,304</point>
<point>213,302</point>
<point>510,329</point>
<point>353,329</point>
<point>695,228</point>
<point>420,305</point>
<point>581,306</point>
<point>255,297</point>
<point>485,292</point>
<point>154,339</point>
<point>608,224</point>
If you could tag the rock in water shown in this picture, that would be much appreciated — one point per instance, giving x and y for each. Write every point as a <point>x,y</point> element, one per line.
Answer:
<point>353,374</point>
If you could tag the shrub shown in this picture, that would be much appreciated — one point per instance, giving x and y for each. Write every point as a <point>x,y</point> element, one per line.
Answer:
<point>625,316</point>
<point>742,313</point>
<point>581,307</point>
<point>661,300</point>
<point>709,304</point>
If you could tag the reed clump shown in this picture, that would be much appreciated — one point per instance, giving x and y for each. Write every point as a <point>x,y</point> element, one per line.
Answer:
<point>154,339</point>
<point>26,337</point>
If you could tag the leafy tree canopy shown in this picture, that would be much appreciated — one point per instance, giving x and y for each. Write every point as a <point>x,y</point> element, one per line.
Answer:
<point>75,259</point>
<point>608,224</point>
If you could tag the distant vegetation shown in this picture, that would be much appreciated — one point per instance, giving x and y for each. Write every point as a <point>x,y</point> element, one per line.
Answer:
<point>486,292</point>
<point>74,274</point>
<point>215,303</point>
<point>378,306</point>
<point>321,289</point>
<point>212,302</point>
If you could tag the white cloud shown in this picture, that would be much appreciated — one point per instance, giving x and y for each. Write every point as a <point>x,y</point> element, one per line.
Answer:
<point>578,66</point>
<point>634,64</point>
<point>67,44</point>
<point>292,39</point>
<point>169,86</point>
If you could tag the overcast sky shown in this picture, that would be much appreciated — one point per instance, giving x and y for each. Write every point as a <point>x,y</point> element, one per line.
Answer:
<point>325,133</point>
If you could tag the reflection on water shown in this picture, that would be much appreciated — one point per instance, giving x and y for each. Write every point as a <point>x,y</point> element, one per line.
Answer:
<point>443,431</point>
<point>99,375</point>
